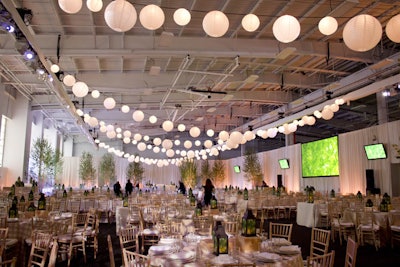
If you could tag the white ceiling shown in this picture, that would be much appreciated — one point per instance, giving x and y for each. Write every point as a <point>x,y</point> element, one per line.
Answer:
<point>243,79</point>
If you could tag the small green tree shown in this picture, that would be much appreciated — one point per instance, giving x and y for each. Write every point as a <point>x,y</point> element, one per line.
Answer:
<point>135,172</point>
<point>252,168</point>
<point>218,172</point>
<point>188,170</point>
<point>57,162</point>
<point>205,171</point>
<point>41,156</point>
<point>107,170</point>
<point>86,170</point>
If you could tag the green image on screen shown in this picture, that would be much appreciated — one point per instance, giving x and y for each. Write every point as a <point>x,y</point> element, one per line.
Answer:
<point>284,163</point>
<point>375,151</point>
<point>320,158</point>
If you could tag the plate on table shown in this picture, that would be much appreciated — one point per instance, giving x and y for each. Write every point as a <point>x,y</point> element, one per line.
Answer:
<point>281,241</point>
<point>182,256</point>
<point>267,257</point>
<point>167,241</point>
<point>12,219</point>
<point>160,249</point>
<point>289,250</point>
<point>223,259</point>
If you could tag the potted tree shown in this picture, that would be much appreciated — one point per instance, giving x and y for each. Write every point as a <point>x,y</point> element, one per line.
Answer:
<point>41,156</point>
<point>252,168</point>
<point>188,170</point>
<point>107,170</point>
<point>218,172</point>
<point>86,170</point>
<point>135,172</point>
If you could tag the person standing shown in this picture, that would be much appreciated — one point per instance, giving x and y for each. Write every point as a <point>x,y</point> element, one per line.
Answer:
<point>182,188</point>
<point>117,188</point>
<point>208,191</point>
<point>128,187</point>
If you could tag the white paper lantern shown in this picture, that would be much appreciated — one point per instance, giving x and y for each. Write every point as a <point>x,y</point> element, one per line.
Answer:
<point>362,33</point>
<point>197,143</point>
<point>250,22</point>
<point>328,25</point>
<point>177,142</point>
<point>249,135</point>
<point>111,134</point>
<point>210,132</point>
<point>120,15</point>
<point>119,136</point>
<point>95,94</point>
<point>70,6</point>
<point>127,140</point>
<point>317,114</point>
<point>157,141</point>
<point>168,125</point>
<point>301,123</point>
<point>125,108</point>
<point>194,132</point>
<point>208,144</point>
<point>181,127</point>
<point>334,107</point>
<point>152,119</point>
<point>327,114</point>
<point>118,130</point>
<point>264,134</point>
<point>94,5</point>
<point>103,129</point>
<point>69,80</point>
<point>141,146</point>
<point>127,133</point>
<point>215,23</point>
<point>109,103</point>
<point>137,137</point>
<point>79,112</point>
<point>149,146</point>
<point>167,144</point>
<point>187,144</point>
<point>80,89</point>
<point>110,128</point>
<point>151,17</point>
<point>392,29</point>
<point>339,101</point>
<point>311,120</point>
<point>55,68</point>
<point>223,135</point>
<point>190,154</point>
<point>286,29</point>
<point>170,153</point>
<point>292,127</point>
<point>236,137</point>
<point>183,153</point>
<point>138,115</point>
<point>272,132</point>
<point>156,149</point>
<point>159,163</point>
<point>93,122</point>
<point>182,16</point>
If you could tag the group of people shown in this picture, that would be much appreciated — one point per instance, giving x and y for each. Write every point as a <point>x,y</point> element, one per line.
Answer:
<point>128,188</point>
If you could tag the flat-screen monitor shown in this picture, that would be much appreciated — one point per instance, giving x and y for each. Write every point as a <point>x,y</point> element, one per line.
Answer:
<point>320,158</point>
<point>284,163</point>
<point>375,151</point>
<point>236,169</point>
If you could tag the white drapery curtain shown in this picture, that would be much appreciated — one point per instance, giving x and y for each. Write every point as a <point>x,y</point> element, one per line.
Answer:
<point>352,164</point>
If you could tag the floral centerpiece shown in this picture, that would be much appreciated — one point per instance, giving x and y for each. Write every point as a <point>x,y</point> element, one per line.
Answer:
<point>310,193</point>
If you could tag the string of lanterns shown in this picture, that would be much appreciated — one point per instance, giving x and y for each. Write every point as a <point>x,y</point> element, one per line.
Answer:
<point>361,33</point>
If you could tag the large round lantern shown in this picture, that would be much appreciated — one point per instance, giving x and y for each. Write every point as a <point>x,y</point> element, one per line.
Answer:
<point>167,144</point>
<point>70,6</point>
<point>141,146</point>
<point>80,89</point>
<point>152,17</point>
<point>69,80</point>
<point>138,115</point>
<point>181,127</point>
<point>109,103</point>
<point>120,15</point>
<point>328,25</point>
<point>223,135</point>
<point>215,23</point>
<point>392,29</point>
<point>362,33</point>
<point>194,132</point>
<point>152,119</point>
<point>250,22</point>
<point>286,29</point>
<point>94,5</point>
<point>182,16</point>
<point>95,94</point>
<point>168,126</point>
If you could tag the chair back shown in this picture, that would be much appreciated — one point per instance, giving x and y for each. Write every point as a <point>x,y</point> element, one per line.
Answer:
<point>128,238</point>
<point>53,254</point>
<point>351,253</point>
<point>134,259</point>
<point>3,237</point>
<point>319,242</point>
<point>40,248</point>
<point>9,263</point>
<point>110,251</point>
<point>325,260</point>
<point>280,230</point>
<point>233,265</point>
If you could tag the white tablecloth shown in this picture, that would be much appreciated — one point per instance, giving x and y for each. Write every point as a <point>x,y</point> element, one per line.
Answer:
<point>307,214</point>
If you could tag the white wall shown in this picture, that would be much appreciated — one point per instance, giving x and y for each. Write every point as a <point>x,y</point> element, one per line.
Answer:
<point>15,139</point>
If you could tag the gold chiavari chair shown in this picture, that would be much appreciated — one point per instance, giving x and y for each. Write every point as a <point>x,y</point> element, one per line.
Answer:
<point>9,263</point>
<point>110,251</point>
<point>394,222</point>
<point>351,253</point>
<point>325,260</point>
<point>40,249</point>
<point>134,259</point>
<point>319,242</point>
<point>280,230</point>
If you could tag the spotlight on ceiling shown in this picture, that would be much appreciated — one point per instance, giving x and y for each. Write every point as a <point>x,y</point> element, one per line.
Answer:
<point>10,28</point>
<point>29,54</point>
